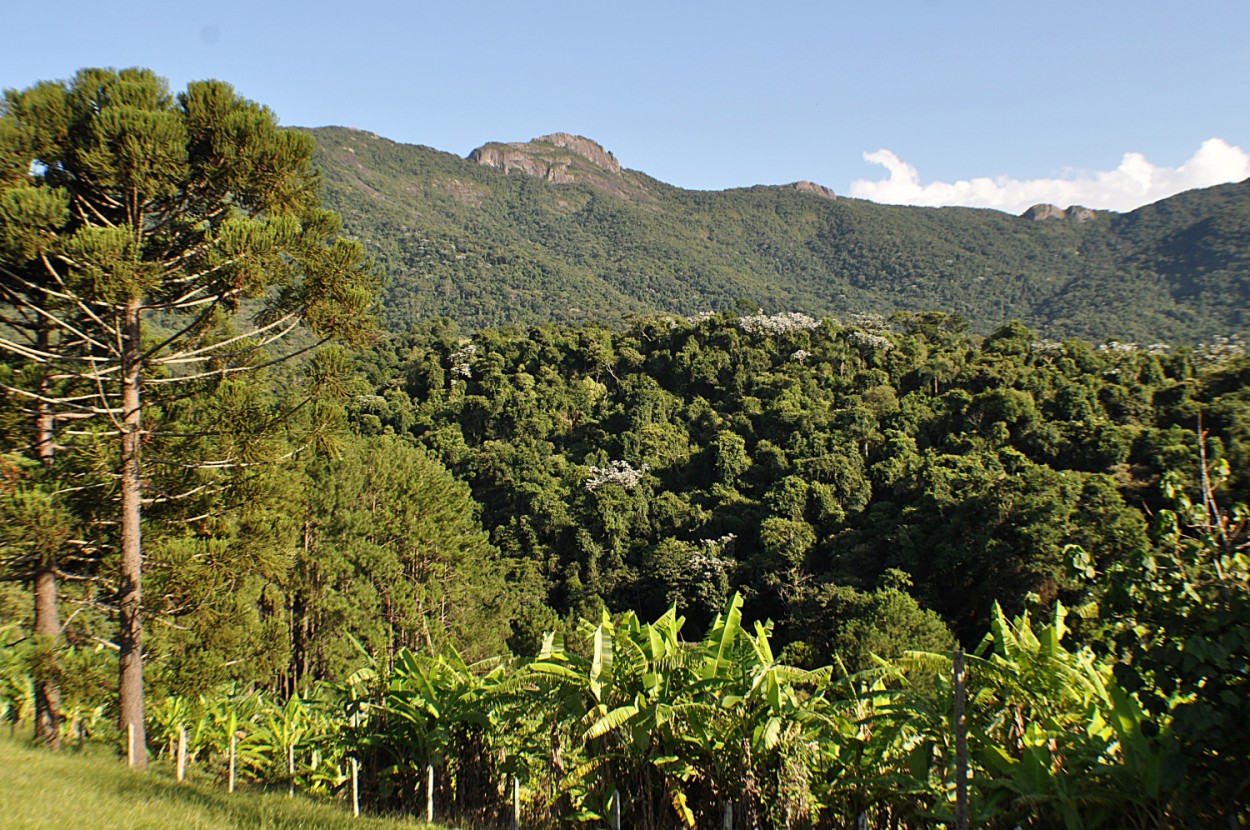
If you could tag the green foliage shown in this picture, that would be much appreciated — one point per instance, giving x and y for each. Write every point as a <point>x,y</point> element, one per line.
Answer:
<point>677,731</point>
<point>882,489</point>
<point>819,456</point>
<point>669,728</point>
<point>391,552</point>
<point>1180,619</point>
<point>818,470</point>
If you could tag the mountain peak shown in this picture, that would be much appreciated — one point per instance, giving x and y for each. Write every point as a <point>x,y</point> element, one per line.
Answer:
<point>590,150</point>
<point>557,158</point>
<point>813,188</point>
<point>1042,212</point>
<point>563,158</point>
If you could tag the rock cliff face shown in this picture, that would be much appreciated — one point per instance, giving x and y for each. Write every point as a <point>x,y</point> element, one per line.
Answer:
<point>561,158</point>
<point>592,151</point>
<point>556,158</point>
<point>811,187</point>
<point>1076,213</point>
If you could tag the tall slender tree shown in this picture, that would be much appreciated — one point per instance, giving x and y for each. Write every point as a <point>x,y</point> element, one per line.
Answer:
<point>137,204</point>
<point>26,214</point>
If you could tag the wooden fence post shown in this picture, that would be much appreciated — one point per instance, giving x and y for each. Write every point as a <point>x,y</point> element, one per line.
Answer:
<point>182,752</point>
<point>233,739</point>
<point>516,802</point>
<point>355,788</point>
<point>961,744</point>
<point>290,769</point>
<point>429,794</point>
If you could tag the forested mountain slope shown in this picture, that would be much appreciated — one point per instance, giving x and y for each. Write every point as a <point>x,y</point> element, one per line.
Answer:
<point>564,237</point>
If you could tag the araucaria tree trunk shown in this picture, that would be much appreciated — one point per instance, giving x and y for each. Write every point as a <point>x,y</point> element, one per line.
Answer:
<point>130,636</point>
<point>47,616</point>
<point>47,686</point>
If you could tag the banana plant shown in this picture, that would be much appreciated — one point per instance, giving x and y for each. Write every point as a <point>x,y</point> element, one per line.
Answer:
<point>271,739</point>
<point>343,717</point>
<point>772,720</point>
<point>885,742</point>
<point>438,717</point>
<point>17,688</point>
<point>85,721</point>
<point>664,724</point>
<point>535,708</point>
<point>166,721</point>
<point>226,716</point>
<point>621,706</point>
<point>17,699</point>
<point>1053,738</point>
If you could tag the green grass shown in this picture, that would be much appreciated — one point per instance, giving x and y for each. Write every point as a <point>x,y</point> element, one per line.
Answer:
<point>92,788</point>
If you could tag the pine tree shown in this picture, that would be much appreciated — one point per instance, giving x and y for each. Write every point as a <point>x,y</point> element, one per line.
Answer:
<point>136,205</point>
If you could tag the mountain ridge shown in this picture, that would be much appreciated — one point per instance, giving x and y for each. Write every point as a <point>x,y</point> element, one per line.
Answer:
<point>486,245</point>
<point>554,158</point>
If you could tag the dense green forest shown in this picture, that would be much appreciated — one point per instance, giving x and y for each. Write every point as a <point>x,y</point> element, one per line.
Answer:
<point>874,489</point>
<point>784,456</point>
<point>685,570</point>
<point>486,248</point>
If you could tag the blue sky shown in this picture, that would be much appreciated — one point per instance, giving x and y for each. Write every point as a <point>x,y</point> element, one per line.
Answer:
<point>1001,104</point>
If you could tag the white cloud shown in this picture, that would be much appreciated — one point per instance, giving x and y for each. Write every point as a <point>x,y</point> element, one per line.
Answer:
<point>1134,183</point>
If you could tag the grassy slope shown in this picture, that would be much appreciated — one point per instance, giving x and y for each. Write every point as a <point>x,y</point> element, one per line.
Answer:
<point>92,789</point>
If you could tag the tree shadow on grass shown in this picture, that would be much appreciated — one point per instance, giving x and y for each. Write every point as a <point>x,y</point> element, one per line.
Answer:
<point>248,807</point>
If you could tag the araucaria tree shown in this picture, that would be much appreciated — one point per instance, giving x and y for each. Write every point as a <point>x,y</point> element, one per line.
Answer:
<point>122,206</point>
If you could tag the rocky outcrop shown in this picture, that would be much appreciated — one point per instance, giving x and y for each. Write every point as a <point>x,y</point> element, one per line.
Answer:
<point>1076,213</point>
<point>592,151</point>
<point>813,188</point>
<point>562,158</point>
<point>557,158</point>
<point>511,158</point>
<point>1040,213</point>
